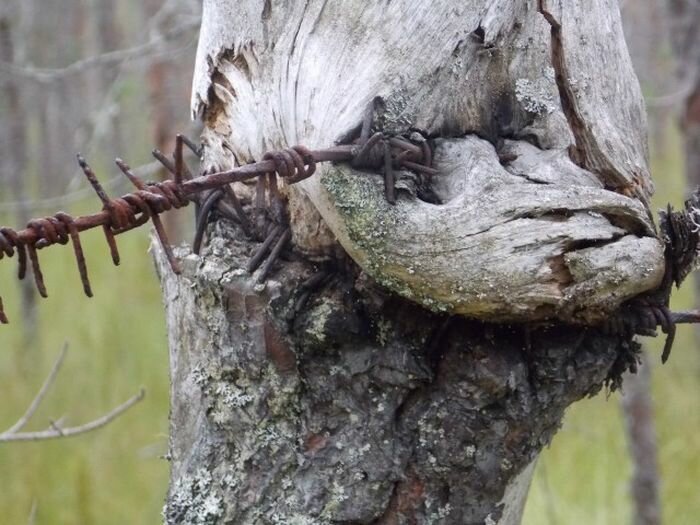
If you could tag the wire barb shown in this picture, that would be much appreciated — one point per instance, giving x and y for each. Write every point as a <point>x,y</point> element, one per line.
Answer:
<point>377,152</point>
<point>208,192</point>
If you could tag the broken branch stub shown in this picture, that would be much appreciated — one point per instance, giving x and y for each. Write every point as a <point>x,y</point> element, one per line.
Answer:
<point>498,246</point>
<point>540,208</point>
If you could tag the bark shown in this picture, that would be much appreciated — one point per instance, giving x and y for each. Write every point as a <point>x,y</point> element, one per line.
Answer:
<point>360,408</point>
<point>395,393</point>
<point>641,436</point>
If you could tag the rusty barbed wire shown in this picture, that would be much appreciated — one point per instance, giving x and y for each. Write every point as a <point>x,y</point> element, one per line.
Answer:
<point>377,153</point>
<point>150,199</point>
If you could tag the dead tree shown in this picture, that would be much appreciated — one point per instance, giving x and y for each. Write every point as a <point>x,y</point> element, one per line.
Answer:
<point>389,330</point>
<point>642,443</point>
<point>684,16</point>
<point>419,340</point>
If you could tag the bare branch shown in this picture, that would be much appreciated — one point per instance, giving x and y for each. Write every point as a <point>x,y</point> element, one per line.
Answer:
<point>152,48</point>
<point>37,205</point>
<point>55,431</point>
<point>22,421</point>
<point>32,513</point>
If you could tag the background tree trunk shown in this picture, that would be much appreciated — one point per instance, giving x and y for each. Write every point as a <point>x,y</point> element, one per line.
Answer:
<point>684,18</point>
<point>371,399</point>
<point>13,155</point>
<point>641,437</point>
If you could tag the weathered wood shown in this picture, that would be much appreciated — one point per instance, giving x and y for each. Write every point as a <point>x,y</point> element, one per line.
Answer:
<point>360,406</point>
<point>553,85</point>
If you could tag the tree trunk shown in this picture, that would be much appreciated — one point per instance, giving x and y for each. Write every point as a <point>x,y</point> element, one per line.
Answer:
<point>360,408</point>
<point>685,17</point>
<point>641,437</point>
<point>108,38</point>
<point>646,25</point>
<point>13,159</point>
<point>162,84</point>
<point>394,392</point>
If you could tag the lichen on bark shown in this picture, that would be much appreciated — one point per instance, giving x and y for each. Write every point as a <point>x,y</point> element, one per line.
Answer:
<point>374,400</point>
<point>361,407</point>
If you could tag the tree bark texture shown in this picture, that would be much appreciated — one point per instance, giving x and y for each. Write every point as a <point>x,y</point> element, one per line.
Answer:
<point>359,408</point>
<point>395,392</point>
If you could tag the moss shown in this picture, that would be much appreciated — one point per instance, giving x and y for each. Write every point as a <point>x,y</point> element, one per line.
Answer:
<point>369,221</point>
<point>364,212</point>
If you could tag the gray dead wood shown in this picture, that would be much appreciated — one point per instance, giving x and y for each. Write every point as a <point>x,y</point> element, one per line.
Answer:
<point>555,81</point>
<point>364,406</point>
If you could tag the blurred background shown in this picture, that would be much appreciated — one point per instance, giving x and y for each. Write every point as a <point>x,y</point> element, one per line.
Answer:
<point>112,79</point>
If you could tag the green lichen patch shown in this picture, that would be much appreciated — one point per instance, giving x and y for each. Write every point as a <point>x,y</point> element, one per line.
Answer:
<point>369,221</point>
<point>366,215</point>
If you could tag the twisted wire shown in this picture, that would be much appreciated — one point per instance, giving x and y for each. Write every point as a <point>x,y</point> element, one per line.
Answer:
<point>149,200</point>
<point>292,165</point>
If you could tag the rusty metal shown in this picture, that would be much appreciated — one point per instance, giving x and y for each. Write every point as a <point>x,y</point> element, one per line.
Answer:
<point>388,152</point>
<point>642,316</point>
<point>149,200</point>
<point>686,317</point>
<point>238,208</point>
<point>377,152</point>
<point>274,254</point>
<point>306,288</point>
<point>261,252</point>
<point>201,224</point>
<point>197,150</point>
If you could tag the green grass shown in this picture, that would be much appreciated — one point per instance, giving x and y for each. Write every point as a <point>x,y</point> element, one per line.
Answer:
<point>118,344</point>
